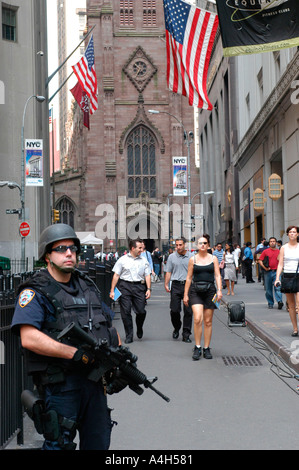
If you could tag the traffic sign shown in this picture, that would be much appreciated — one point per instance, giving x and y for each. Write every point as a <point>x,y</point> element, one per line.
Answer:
<point>24,229</point>
<point>189,225</point>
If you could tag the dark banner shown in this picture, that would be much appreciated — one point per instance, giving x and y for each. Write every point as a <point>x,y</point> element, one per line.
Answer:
<point>254,26</point>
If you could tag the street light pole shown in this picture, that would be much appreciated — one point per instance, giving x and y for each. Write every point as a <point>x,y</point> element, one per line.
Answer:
<point>202,193</point>
<point>39,99</point>
<point>188,140</point>
<point>168,206</point>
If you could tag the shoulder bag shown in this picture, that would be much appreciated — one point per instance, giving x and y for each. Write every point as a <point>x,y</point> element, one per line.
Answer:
<point>266,261</point>
<point>289,282</point>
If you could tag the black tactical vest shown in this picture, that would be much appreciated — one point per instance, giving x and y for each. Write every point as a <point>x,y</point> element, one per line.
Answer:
<point>80,302</point>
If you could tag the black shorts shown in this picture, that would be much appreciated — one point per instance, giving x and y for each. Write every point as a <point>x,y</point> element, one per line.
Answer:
<point>204,299</point>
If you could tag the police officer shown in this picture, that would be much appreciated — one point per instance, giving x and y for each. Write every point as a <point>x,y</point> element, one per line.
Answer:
<point>132,275</point>
<point>47,303</point>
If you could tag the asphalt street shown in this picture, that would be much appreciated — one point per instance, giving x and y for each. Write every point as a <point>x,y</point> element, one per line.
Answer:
<point>245,398</point>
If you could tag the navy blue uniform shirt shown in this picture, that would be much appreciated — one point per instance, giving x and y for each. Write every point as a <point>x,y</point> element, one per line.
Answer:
<point>33,309</point>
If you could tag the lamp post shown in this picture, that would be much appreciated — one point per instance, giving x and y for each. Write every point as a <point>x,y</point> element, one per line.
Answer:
<point>12,185</point>
<point>188,140</point>
<point>39,99</point>
<point>168,206</point>
<point>204,193</point>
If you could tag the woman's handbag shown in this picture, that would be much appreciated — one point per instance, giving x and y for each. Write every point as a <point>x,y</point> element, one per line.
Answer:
<point>222,264</point>
<point>202,286</point>
<point>289,282</point>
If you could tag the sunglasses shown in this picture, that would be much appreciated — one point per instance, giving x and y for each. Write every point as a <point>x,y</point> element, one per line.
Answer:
<point>202,243</point>
<point>64,248</point>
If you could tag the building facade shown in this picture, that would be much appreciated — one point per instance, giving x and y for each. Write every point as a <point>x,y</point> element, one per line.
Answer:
<point>23,74</point>
<point>249,145</point>
<point>118,180</point>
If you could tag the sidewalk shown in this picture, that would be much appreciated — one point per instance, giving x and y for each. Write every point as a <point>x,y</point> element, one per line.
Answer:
<point>273,326</point>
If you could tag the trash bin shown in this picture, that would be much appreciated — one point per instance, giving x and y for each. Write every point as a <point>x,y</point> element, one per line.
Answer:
<point>4,263</point>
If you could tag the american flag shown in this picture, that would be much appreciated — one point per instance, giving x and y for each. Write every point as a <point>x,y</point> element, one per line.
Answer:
<point>190,34</point>
<point>50,116</point>
<point>86,73</point>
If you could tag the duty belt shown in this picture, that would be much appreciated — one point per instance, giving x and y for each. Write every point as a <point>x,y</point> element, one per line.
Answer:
<point>133,282</point>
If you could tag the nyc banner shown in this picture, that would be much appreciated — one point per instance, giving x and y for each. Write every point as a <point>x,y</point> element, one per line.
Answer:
<point>180,176</point>
<point>254,26</point>
<point>34,162</point>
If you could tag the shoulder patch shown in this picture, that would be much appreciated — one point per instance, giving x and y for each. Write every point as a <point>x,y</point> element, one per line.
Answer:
<point>25,297</point>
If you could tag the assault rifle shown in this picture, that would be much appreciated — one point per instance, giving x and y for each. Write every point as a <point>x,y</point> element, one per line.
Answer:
<point>109,358</point>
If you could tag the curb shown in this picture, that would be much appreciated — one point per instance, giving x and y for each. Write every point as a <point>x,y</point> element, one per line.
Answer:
<point>273,342</point>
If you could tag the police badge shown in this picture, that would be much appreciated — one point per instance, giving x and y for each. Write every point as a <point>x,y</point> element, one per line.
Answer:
<point>25,297</point>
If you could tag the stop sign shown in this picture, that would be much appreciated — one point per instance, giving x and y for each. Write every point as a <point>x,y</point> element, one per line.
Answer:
<point>24,229</point>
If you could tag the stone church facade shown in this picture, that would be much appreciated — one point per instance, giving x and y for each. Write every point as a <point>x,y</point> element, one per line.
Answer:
<point>117,178</point>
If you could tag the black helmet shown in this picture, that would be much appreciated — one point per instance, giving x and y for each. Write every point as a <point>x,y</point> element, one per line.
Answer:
<point>55,233</point>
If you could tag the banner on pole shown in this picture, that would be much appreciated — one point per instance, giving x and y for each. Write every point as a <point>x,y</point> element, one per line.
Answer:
<point>254,26</point>
<point>180,176</point>
<point>34,162</point>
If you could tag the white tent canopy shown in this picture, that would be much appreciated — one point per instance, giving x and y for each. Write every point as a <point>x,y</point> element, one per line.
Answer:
<point>89,238</point>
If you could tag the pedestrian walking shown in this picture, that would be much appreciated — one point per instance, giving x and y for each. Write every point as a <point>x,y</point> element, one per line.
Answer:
<point>258,250</point>
<point>219,253</point>
<point>157,258</point>
<point>147,255</point>
<point>248,260</point>
<point>174,282</point>
<point>132,276</point>
<point>230,276</point>
<point>203,271</point>
<point>48,302</point>
<point>242,261</point>
<point>268,261</point>
<point>237,256</point>
<point>288,265</point>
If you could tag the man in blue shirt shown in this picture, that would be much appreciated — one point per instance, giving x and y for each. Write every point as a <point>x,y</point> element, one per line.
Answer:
<point>219,252</point>
<point>248,263</point>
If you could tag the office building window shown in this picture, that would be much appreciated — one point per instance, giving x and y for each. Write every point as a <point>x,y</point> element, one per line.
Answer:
<point>141,151</point>
<point>9,23</point>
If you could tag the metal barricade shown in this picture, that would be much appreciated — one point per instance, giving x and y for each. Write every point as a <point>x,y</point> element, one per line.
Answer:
<point>11,380</point>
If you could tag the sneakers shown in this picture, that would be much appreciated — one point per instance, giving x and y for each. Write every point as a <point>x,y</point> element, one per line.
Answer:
<point>207,353</point>
<point>196,353</point>
<point>280,305</point>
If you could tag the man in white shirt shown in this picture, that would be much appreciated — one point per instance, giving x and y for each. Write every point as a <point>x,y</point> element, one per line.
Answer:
<point>132,275</point>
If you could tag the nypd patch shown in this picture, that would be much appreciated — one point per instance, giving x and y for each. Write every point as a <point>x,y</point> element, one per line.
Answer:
<point>25,297</point>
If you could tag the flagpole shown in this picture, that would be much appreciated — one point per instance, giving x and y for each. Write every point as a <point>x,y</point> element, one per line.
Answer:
<point>60,66</point>
<point>53,160</point>
<point>61,86</point>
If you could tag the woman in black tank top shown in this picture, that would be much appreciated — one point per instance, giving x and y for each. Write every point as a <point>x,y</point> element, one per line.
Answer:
<point>202,267</point>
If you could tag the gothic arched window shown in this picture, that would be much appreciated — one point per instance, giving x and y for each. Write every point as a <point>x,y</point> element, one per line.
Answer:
<point>67,211</point>
<point>141,151</point>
